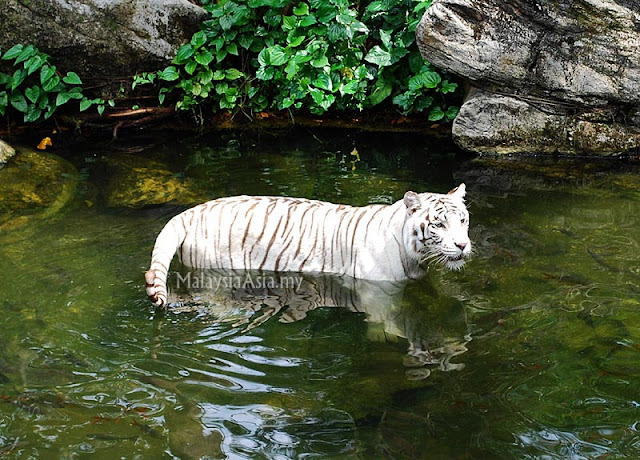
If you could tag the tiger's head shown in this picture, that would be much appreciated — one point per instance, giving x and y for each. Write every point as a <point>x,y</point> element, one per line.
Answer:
<point>436,228</point>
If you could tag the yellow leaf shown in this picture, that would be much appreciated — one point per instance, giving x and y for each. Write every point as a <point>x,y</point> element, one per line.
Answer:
<point>44,143</point>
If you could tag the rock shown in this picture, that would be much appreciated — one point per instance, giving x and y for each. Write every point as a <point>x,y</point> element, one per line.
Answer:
<point>99,39</point>
<point>493,123</point>
<point>6,152</point>
<point>33,186</point>
<point>572,58</point>
<point>136,182</point>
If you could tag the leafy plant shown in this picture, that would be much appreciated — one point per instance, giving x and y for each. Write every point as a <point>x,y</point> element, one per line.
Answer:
<point>36,88</point>
<point>256,55</point>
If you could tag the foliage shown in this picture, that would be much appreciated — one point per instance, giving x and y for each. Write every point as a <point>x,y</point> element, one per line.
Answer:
<point>36,88</point>
<point>256,55</point>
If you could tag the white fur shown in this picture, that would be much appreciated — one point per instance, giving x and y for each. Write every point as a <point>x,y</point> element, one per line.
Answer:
<point>378,242</point>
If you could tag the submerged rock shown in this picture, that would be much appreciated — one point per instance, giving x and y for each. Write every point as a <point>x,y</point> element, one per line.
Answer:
<point>136,182</point>
<point>34,185</point>
<point>560,76</point>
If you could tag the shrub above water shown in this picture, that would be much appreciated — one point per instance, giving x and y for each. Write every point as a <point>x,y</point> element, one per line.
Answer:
<point>320,55</point>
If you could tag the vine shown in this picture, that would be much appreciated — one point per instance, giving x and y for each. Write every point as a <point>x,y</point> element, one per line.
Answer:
<point>36,88</point>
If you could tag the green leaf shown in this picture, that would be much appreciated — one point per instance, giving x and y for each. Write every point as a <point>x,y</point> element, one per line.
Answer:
<point>431,79</point>
<point>422,103</point>
<point>263,57</point>
<point>46,72</point>
<point>451,112</point>
<point>301,9</point>
<point>376,6</point>
<point>85,104</point>
<point>100,109</point>
<point>218,75</point>
<point>18,77</point>
<point>5,79</point>
<point>221,54</point>
<point>308,20</point>
<point>381,92</point>
<point>33,64</point>
<point>265,73</point>
<point>43,102</point>
<point>289,22</point>
<point>317,95</point>
<point>320,62</point>
<point>62,98</point>
<point>32,93</point>
<point>49,112</point>
<point>385,37</point>
<point>204,58</point>
<point>274,55</point>
<point>297,41</point>
<point>378,56</point>
<point>26,53</point>
<point>169,74</point>
<point>277,55</point>
<point>226,22</point>
<point>32,114</point>
<point>51,84</point>
<point>198,39</point>
<point>205,77</point>
<point>13,52</point>
<point>190,67</point>
<point>72,78</point>
<point>436,114</point>
<point>323,82</point>
<point>447,87</point>
<point>245,41</point>
<point>184,54</point>
<point>349,88</point>
<point>232,48</point>
<point>286,103</point>
<point>233,74</point>
<point>17,100</point>
<point>162,95</point>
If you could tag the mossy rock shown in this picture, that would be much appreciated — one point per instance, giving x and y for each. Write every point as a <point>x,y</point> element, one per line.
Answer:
<point>34,185</point>
<point>136,182</point>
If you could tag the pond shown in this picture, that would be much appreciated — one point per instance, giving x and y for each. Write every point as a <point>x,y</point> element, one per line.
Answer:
<point>531,351</point>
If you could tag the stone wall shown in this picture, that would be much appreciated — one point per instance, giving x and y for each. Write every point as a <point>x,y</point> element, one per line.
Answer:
<point>548,76</point>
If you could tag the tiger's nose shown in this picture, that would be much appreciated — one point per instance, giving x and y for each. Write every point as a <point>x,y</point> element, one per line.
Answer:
<point>461,245</point>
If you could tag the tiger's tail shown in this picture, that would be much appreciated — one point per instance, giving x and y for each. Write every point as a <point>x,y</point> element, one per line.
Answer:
<point>167,243</point>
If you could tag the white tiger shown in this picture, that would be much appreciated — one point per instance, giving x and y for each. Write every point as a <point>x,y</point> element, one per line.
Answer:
<point>376,242</point>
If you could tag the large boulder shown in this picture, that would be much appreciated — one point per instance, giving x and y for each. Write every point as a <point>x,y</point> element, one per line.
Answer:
<point>564,74</point>
<point>101,39</point>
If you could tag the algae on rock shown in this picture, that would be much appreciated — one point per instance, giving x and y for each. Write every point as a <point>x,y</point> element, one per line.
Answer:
<point>35,185</point>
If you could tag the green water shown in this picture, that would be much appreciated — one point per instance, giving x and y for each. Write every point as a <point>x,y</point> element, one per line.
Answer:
<point>534,346</point>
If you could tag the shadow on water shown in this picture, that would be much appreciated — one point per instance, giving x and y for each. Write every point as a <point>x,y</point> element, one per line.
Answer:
<point>540,332</point>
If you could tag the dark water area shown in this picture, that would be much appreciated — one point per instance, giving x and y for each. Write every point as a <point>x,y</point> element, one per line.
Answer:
<point>531,351</point>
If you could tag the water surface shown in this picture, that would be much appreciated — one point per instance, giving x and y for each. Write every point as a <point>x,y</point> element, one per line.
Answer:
<point>532,351</point>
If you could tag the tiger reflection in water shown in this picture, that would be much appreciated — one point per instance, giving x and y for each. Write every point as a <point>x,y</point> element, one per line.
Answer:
<point>433,324</point>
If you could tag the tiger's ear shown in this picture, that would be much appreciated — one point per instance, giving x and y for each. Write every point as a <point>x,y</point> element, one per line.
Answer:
<point>412,202</point>
<point>459,191</point>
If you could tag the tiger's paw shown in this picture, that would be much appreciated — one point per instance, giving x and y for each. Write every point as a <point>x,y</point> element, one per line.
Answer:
<point>155,292</point>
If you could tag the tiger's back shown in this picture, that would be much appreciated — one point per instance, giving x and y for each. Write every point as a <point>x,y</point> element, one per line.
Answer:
<point>278,234</point>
